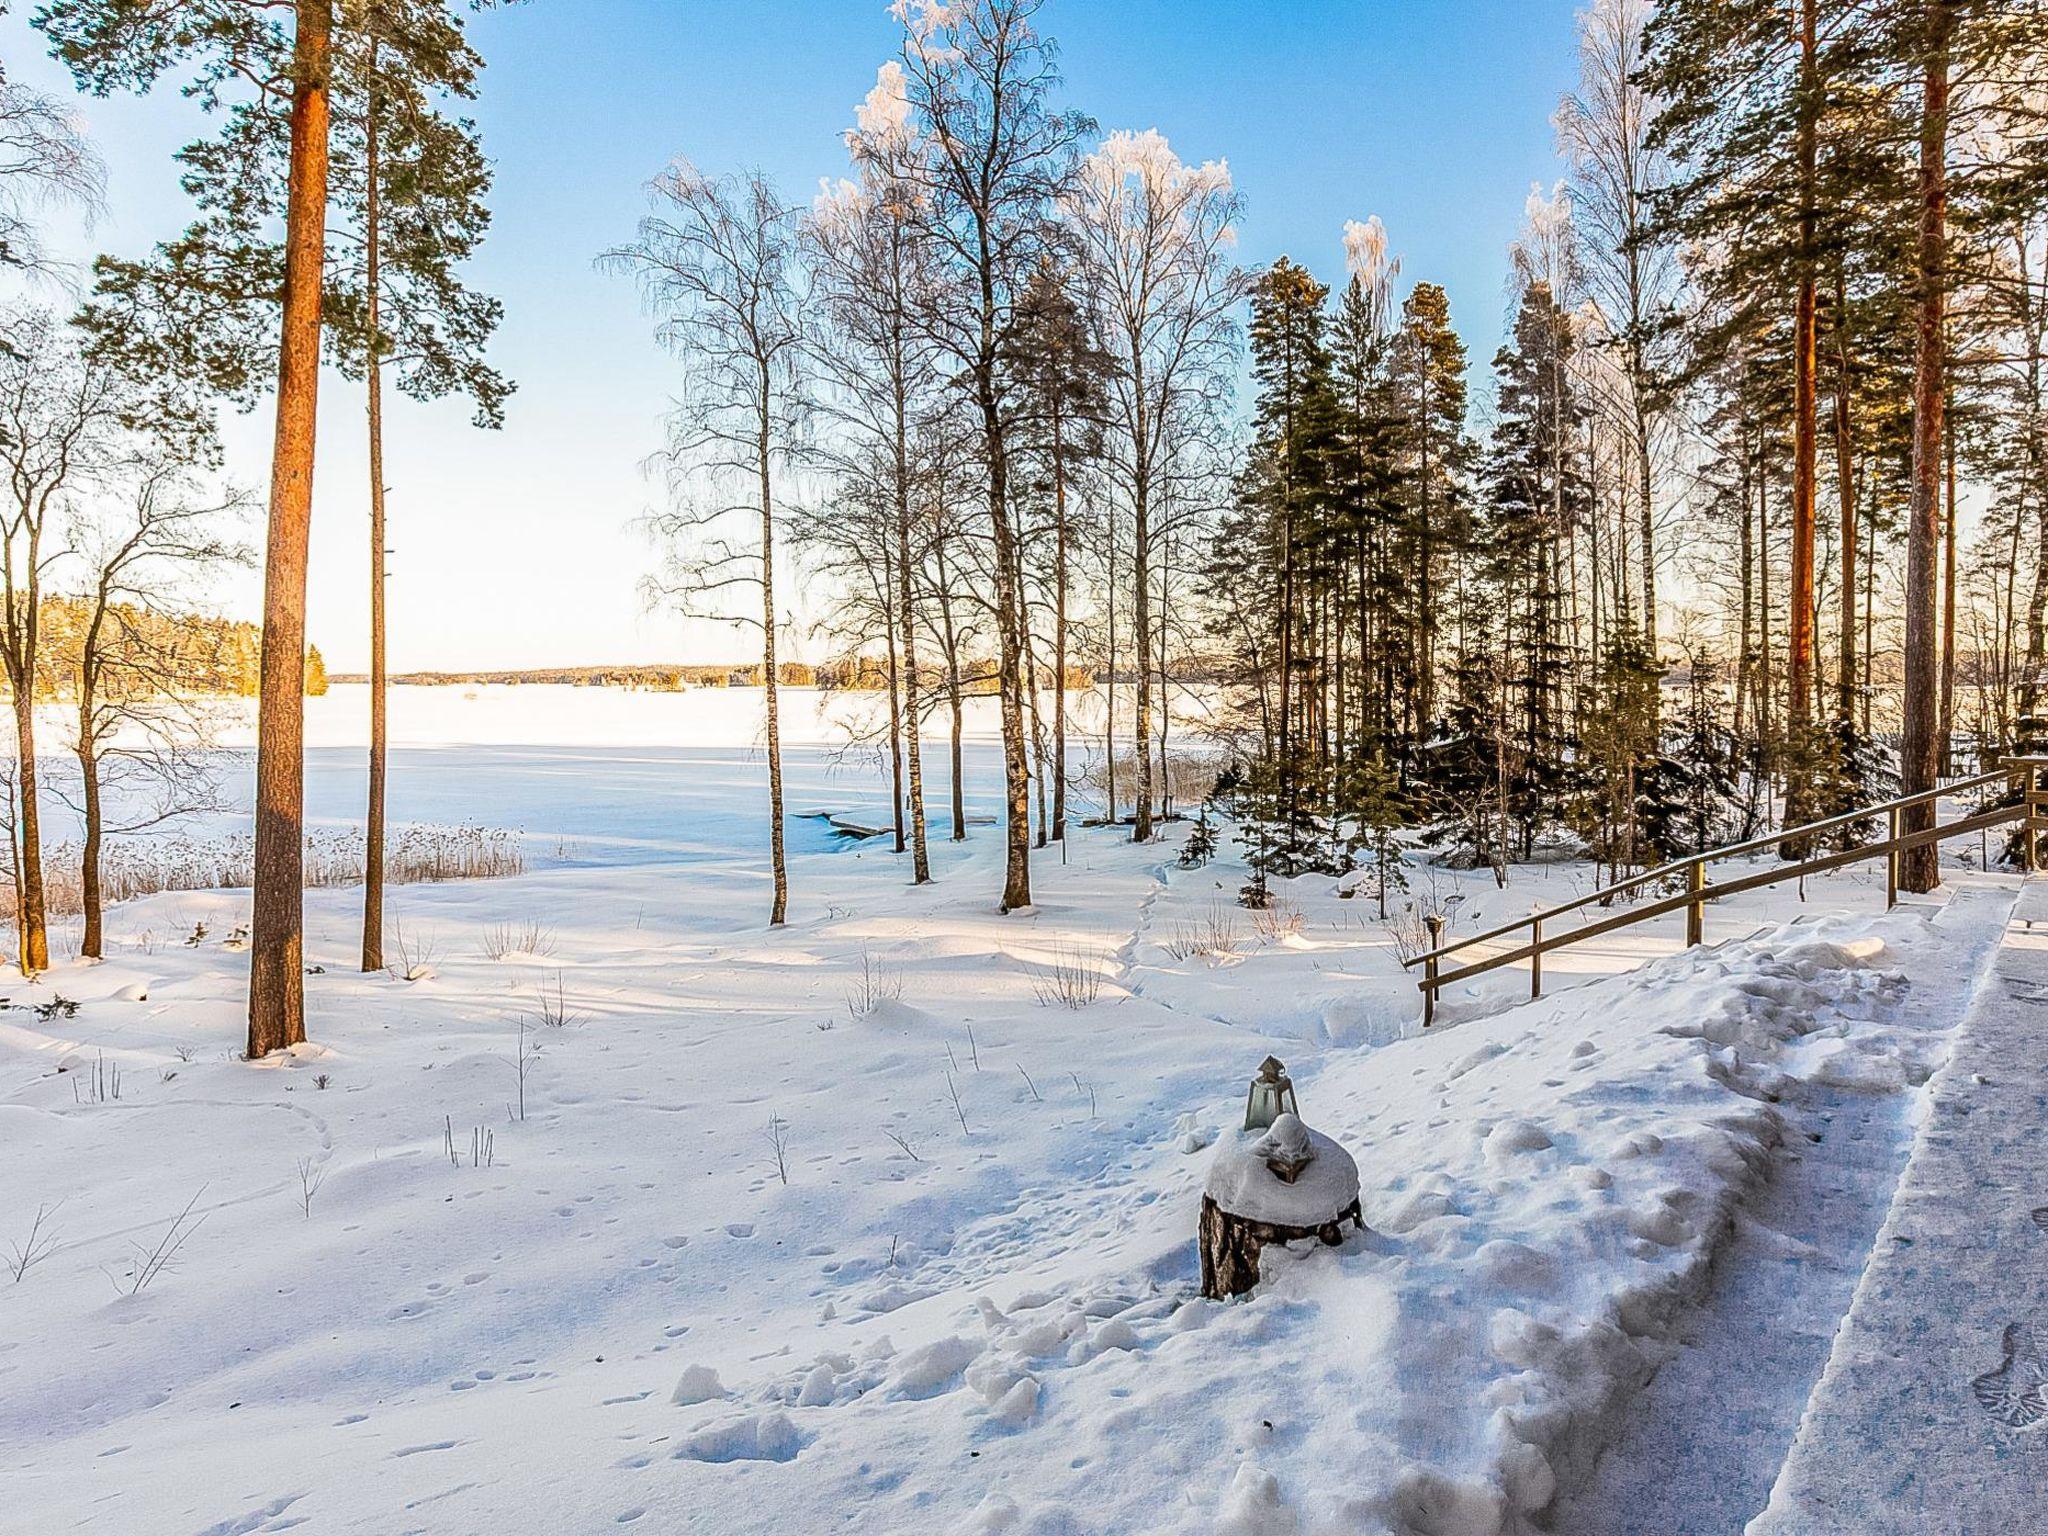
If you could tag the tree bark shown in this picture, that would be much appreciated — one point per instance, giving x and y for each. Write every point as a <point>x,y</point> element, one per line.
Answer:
<point>920,855</point>
<point>277,1014</point>
<point>373,838</point>
<point>1141,605</point>
<point>1845,487</point>
<point>29,893</point>
<point>1919,751</point>
<point>778,864</point>
<point>1799,596</point>
<point>955,704</point>
<point>891,633</point>
<point>1947,729</point>
<point>1059,625</point>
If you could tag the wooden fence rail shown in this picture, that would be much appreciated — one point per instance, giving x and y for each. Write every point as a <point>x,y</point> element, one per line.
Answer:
<point>2031,807</point>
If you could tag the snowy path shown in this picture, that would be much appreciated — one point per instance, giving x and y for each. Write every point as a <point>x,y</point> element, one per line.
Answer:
<point>1933,1412</point>
<point>1707,1438</point>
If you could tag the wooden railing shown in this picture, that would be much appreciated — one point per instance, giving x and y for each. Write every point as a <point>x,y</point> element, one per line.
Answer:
<point>2032,807</point>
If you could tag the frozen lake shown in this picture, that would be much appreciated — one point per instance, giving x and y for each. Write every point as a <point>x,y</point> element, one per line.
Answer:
<point>601,776</point>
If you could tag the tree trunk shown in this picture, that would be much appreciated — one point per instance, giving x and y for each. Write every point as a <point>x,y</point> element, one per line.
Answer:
<point>373,838</point>
<point>1947,729</point>
<point>890,634</point>
<point>1799,596</point>
<point>1920,868</point>
<point>1059,626</point>
<point>778,865</point>
<point>1141,617</point>
<point>913,698</point>
<point>953,690</point>
<point>1010,650</point>
<point>277,1013</point>
<point>35,934</point>
<point>93,945</point>
<point>1845,488</point>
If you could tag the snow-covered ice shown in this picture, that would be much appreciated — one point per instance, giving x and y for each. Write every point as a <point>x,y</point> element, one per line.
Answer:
<point>972,1306</point>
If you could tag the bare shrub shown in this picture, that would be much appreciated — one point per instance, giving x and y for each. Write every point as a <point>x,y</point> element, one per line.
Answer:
<point>1072,980</point>
<point>1212,935</point>
<point>483,1144</point>
<point>1276,921</point>
<point>874,984</point>
<point>523,1061</point>
<point>101,1084</point>
<point>412,953</point>
<point>777,1137</point>
<point>554,1011</point>
<point>40,1243</point>
<point>1189,777</point>
<point>904,1142</point>
<point>146,1265</point>
<point>311,1176</point>
<point>522,938</point>
<point>953,1091</point>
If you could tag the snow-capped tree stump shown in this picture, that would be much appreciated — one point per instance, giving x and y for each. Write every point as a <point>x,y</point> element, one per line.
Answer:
<point>1273,1186</point>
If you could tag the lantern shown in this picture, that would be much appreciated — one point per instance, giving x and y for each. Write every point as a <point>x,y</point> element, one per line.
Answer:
<point>1271,1096</point>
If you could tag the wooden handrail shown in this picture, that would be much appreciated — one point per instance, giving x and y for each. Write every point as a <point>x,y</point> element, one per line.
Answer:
<point>1699,891</point>
<point>1678,866</point>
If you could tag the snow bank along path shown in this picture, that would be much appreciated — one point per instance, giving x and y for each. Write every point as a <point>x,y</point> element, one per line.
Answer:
<point>1933,1413</point>
<point>971,1307</point>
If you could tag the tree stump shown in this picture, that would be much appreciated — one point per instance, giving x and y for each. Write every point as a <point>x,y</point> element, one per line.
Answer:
<point>1231,1244</point>
<point>1274,1186</point>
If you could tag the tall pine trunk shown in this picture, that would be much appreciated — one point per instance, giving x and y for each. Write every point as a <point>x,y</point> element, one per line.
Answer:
<point>277,1013</point>
<point>1947,727</point>
<point>373,839</point>
<point>1059,625</point>
<point>1845,490</point>
<point>1805,431</point>
<point>1919,749</point>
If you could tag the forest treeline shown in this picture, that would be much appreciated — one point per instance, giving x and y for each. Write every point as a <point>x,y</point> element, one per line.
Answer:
<point>857,673</point>
<point>149,651</point>
<point>1683,560</point>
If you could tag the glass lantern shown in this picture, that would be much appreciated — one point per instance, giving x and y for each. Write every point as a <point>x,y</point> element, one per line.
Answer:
<point>1271,1096</point>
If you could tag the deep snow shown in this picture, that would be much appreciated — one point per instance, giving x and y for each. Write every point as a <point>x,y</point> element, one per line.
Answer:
<point>971,1306</point>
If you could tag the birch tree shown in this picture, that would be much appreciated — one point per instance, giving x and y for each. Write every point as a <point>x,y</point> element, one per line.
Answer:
<point>715,262</point>
<point>978,77</point>
<point>1155,235</point>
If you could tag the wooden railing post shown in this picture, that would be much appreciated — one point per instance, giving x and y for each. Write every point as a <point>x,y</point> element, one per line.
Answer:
<point>2033,857</point>
<point>1891,861</point>
<point>1536,956</point>
<point>1696,909</point>
<point>1435,925</point>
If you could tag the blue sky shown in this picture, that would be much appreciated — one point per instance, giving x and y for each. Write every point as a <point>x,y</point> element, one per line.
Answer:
<point>516,548</point>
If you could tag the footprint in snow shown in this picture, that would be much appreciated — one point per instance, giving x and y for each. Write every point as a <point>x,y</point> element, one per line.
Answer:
<point>2016,1394</point>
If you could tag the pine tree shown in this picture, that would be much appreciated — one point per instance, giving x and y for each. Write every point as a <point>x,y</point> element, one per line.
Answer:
<point>260,172</point>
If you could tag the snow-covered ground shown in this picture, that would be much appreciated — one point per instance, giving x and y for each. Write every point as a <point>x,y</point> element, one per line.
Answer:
<point>858,1223</point>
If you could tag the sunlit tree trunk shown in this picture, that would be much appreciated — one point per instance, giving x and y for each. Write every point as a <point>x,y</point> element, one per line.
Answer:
<point>1919,750</point>
<point>276,965</point>
<point>373,839</point>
